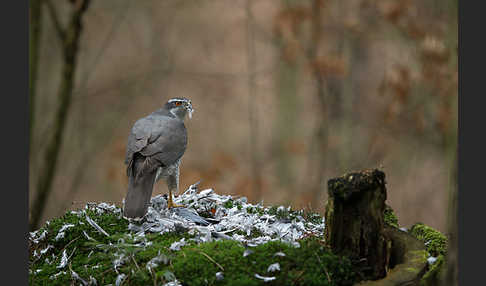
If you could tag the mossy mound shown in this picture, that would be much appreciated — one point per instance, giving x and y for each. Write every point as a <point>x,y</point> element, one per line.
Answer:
<point>97,246</point>
<point>436,246</point>
<point>71,250</point>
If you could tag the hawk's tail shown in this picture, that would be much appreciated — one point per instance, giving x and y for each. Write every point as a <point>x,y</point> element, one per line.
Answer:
<point>140,188</point>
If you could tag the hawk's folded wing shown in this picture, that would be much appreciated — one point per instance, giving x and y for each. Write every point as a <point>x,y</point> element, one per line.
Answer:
<point>159,137</point>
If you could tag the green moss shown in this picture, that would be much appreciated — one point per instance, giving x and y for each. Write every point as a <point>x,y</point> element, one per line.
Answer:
<point>436,245</point>
<point>433,276</point>
<point>228,204</point>
<point>435,242</point>
<point>306,265</point>
<point>76,245</point>
<point>390,217</point>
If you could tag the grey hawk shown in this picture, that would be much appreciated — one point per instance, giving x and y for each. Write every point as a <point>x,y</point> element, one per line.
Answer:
<point>154,150</point>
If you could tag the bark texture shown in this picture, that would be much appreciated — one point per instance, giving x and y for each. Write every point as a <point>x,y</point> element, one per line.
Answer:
<point>355,222</point>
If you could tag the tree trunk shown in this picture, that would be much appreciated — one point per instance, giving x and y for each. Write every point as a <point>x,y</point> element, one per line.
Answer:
<point>70,43</point>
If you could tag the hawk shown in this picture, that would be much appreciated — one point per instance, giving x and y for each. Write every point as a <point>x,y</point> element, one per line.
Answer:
<point>154,150</point>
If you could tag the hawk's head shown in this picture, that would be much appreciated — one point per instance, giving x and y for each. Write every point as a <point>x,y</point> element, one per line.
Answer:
<point>180,106</point>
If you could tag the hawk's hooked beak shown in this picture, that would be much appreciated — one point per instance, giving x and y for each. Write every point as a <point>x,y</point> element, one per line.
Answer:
<point>190,110</point>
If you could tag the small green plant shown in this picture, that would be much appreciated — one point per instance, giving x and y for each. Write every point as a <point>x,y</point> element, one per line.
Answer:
<point>390,217</point>
<point>228,204</point>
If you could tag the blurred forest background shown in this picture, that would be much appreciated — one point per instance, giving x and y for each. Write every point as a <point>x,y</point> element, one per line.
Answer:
<point>287,94</point>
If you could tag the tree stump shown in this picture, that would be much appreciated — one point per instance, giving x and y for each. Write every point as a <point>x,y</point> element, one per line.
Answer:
<point>354,221</point>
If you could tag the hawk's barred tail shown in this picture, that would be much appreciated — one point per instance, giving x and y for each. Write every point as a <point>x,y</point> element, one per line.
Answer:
<point>139,193</point>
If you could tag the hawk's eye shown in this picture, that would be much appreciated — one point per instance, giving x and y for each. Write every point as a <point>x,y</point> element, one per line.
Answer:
<point>178,103</point>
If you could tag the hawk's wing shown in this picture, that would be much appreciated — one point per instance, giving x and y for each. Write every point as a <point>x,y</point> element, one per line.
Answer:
<point>162,138</point>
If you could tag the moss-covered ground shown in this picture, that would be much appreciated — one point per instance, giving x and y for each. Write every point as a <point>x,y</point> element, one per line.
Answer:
<point>148,260</point>
<point>124,258</point>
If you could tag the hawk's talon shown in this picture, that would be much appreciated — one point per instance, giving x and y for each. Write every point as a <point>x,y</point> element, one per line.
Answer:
<point>171,204</point>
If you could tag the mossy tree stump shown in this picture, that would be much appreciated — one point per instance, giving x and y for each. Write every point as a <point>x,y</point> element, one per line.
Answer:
<point>355,223</point>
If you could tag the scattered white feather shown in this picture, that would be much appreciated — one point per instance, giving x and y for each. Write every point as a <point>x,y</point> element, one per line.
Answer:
<point>431,259</point>
<point>36,239</point>
<point>43,251</point>
<point>273,267</point>
<point>77,277</point>
<point>154,262</point>
<point>92,280</point>
<point>64,260</point>
<point>66,226</point>
<point>120,258</point>
<point>219,276</point>
<point>265,279</point>
<point>87,236</point>
<point>120,278</point>
<point>173,283</point>
<point>61,233</point>
<point>176,246</point>
<point>280,253</point>
<point>96,226</point>
<point>54,276</point>
<point>247,252</point>
<point>206,192</point>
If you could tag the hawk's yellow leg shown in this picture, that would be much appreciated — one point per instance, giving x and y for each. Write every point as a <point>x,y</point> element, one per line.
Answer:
<point>170,202</point>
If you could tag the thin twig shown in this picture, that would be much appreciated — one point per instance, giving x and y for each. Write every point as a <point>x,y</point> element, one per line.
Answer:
<point>298,277</point>
<point>65,247</point>
<point>35,32</point>
<point>55,20</point>
<point>325,269</point>
<point>154,278</point>
<point>212,260</point>
<point>135,262</point>
<point>72,253</point>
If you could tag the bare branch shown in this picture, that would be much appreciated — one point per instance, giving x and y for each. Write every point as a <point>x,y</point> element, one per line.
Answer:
<point>55,20</point>
<point>35,21</point>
